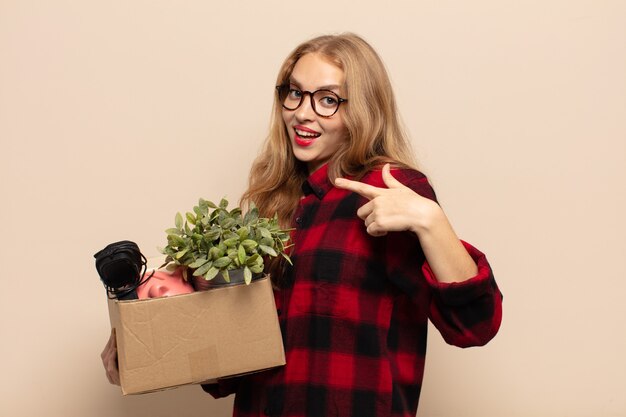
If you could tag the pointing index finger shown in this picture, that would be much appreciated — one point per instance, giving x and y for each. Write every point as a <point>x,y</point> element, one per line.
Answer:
<point>365,190</point>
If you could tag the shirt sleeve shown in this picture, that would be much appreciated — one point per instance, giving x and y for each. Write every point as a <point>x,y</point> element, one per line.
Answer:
<point>466,313</point>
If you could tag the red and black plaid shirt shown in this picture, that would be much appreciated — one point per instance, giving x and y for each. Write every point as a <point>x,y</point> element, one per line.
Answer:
<point>354,315</point>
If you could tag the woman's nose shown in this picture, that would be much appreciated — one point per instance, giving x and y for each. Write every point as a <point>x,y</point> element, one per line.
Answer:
<point>305,111</point>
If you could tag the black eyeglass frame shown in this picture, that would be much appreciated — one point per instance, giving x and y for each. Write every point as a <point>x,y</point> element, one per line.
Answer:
<point>304,93</point>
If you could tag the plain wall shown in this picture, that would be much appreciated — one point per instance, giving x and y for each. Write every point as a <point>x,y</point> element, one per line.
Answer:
<point>114,115</point>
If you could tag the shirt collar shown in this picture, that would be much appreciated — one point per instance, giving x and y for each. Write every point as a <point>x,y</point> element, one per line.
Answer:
<point>317,183</point>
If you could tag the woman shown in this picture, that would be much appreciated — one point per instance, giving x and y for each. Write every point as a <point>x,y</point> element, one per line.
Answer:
<point>374,255</point>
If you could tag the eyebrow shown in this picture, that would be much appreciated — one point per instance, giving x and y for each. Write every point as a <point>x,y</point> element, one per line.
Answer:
<point>324,87</point>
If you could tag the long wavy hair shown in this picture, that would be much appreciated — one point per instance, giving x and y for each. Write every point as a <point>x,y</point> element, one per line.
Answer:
<point>375,134</point>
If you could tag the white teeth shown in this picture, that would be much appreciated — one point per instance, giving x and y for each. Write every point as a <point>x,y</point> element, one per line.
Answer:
<point>306,134</point>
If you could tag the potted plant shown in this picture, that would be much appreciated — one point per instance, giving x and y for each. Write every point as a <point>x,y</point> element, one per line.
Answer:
<point>220,246</point>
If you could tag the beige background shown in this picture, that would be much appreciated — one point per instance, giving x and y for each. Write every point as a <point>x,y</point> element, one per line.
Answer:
<point>115,115</point>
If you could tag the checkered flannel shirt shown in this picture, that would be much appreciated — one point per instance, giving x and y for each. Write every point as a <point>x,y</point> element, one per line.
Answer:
<point>354,316</point>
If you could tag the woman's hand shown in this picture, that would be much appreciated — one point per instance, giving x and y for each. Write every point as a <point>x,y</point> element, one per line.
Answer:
<point>393,209</point>
<point>398,208</point>
<point>109,360</point>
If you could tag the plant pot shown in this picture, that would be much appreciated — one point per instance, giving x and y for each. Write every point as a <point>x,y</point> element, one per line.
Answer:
<point>236,278</point>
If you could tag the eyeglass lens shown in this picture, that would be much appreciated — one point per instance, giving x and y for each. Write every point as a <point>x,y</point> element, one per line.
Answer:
<point>324,102</point>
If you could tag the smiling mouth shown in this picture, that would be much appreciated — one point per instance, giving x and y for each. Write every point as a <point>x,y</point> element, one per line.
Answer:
<point>305,134</point>
<point>305,138</point>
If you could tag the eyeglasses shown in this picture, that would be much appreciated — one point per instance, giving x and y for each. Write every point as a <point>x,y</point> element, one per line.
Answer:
<point>325,103</point>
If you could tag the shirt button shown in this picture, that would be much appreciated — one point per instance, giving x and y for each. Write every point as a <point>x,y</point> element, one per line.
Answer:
<point>299,220</point>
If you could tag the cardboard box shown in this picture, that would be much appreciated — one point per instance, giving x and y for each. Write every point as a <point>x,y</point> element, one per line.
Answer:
<point>193,338</point>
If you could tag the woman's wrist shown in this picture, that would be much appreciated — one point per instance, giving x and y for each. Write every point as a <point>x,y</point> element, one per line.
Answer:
<point>426,217</point>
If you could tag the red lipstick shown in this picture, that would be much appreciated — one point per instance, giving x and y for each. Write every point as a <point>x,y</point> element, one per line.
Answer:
<point>306,137</point>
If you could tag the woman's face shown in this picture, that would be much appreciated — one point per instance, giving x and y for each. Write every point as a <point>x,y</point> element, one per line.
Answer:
<point>314,139</point>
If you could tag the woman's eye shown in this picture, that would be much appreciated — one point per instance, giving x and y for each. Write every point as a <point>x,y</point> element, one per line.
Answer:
<point>328,101</point>
<point>293,93</point>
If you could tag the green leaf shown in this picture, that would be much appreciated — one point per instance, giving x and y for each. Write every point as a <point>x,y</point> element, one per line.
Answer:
<point>267,242</point>
<point>176,241</point>
<point>203,269</point>
<point>227,223</point>
<point>229,235</point>
<point>265,233</point>
<point>181,253</point>
<point>169,251</point>
<point>242,254</point>
<point>215,252</point>
<point>252,215</point>
<point>191,218</point>
<point>223,203</point>
<point>211,273</point>
<point>173,231</point>
<point>213,234</point>
<point>198,263</point>
<point>231,242</point>
<point>257,269</point>
<point>178,220</point>
<point>249,244</point>
<point>171,267</point>
<point>226,275</point>
<point>207,203</point>
<point>243,233</point>
<point>253,259</point>
<point>268,250</point>
<point>287,258</point>
<point>222,262</point>
<point>186,259</point>
<point>247,275</point>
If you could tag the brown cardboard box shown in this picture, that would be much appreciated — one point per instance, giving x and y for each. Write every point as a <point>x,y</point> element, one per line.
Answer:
<point>199,337</point>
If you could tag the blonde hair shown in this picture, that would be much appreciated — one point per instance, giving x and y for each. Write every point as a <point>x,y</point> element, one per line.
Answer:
<point>375,135</point>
